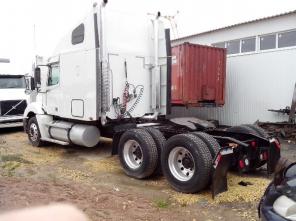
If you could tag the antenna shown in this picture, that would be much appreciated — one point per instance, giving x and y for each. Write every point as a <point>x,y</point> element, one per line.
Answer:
<point>172,20</point>
<point>34,44</point>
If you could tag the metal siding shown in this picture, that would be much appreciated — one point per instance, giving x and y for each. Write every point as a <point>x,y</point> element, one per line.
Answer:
<point>254,84</point>
<point>198,75</point>
<point>274,25</point>
<point>259,20</point>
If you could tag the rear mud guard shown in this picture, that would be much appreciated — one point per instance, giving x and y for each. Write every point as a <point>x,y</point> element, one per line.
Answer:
<point>274,154</point>
<point>220,167</point>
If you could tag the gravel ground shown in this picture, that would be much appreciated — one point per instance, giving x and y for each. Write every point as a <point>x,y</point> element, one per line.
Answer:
<point>93,180</point>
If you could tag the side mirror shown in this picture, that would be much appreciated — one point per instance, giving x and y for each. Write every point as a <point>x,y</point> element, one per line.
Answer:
<point>37,77</point>
<point>30,84</point>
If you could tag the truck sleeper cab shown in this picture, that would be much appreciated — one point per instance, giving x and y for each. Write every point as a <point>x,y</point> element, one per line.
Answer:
<point>111,77</point>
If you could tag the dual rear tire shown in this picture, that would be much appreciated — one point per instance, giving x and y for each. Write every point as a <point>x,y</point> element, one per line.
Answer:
<point>186,163</point>
<point>138,153</point>
<point>185,159</point>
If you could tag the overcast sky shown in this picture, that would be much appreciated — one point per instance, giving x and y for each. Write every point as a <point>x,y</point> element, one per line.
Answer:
<point>53,18</point>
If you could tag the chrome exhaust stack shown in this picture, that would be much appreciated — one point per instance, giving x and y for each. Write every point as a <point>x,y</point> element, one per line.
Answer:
<point>155,88</point>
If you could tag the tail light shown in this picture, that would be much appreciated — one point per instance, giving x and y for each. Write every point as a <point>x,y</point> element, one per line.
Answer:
<point>218,158</point>
<point>265,156</point>
<point>241,164</point>
<point>253,144</point>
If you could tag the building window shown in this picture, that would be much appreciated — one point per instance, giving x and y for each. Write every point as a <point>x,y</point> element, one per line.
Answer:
<point>268,42</point>
<point>248,45</point>
<point>219,45</point>
<point>287,39</point>
<point>233,47</point>
<point>78,35</point>
<point>54,74</point>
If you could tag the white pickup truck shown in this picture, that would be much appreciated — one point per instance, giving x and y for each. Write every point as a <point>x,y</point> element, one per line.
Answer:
<point>13,100</point>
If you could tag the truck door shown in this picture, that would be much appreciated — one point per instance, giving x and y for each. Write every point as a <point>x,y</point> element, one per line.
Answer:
<point>53,94</point>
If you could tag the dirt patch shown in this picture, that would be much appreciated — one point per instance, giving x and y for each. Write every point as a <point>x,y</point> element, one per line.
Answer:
<point>98,203</point>
<point>109,164</point>
<point>93,180</point>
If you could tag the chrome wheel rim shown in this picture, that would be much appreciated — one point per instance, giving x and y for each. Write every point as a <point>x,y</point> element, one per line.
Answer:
<point>33,132</point>
<point>181,164</point>
<point>133,154</point>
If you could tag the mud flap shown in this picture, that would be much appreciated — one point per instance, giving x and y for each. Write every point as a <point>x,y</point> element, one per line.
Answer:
<point>274,154</point>
<point>220,168</point>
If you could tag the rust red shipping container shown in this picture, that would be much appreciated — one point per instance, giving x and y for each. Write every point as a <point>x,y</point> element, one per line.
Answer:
<point>198,75</point>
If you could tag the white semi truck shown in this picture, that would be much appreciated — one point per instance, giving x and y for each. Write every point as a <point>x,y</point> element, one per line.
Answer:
<point>111,77</point>
<point>13,99</point>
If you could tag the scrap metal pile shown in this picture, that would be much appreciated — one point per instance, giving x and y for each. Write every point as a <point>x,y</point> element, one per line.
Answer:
<point>281,129</point>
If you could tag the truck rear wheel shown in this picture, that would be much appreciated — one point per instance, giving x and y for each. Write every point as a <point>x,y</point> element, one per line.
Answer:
<point>137,153</point>
<point>211,142</point>
<point>159,140</point>
<point>34,132</point>
<point>186,163</point>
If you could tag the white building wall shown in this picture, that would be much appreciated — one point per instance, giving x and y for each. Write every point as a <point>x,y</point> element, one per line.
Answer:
<point>255,82</point>
<point>262,27</point>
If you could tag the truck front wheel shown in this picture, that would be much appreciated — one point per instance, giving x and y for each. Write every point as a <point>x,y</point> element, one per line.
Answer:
<point>138,153</point>
<point>34,132</point>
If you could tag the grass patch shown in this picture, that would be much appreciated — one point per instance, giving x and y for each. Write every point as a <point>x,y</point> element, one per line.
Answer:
<point>162,203</point>
<point>9,163</point>
<point>10,167</point>
<point>14,158</point>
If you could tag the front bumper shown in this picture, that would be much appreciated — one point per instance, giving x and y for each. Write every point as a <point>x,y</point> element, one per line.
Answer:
<point>11,121</point>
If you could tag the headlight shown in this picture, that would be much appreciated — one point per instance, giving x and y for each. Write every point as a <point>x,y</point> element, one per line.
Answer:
<point>285,207</point>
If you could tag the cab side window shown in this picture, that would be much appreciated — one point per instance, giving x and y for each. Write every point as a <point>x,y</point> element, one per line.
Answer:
<point>78,35</point>
<point>54,75</point>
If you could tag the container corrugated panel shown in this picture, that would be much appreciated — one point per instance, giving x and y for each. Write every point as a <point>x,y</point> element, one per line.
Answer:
<point>198,75</point>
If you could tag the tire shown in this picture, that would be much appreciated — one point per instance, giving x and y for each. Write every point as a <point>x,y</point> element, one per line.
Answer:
<point>191,180</point>
<point>260,131</point>
<point>137,153</point>
<point>159,140</point>
<point>33,132</point>
<point>211,142</point>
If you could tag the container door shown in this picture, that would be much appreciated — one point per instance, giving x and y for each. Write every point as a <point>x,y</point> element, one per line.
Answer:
<point>177,86</point>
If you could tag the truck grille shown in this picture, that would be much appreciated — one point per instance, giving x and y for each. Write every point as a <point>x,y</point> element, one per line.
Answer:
<point>15,107</point>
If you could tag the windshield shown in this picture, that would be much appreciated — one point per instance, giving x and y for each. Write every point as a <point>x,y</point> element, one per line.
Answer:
<point>12,82</point>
